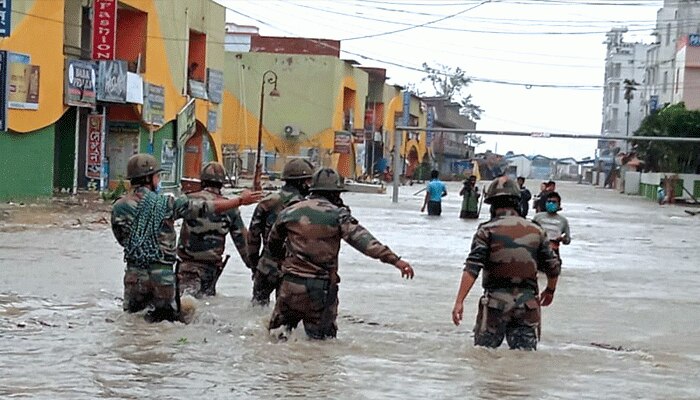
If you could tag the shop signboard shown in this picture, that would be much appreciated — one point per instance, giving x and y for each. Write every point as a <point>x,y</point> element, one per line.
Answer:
<point>215,85</point>
<point>343,142</point>
<point>186,122</point>
<point>134,88</point>
<point>3,90</point>
<point>23,86</point>
<point>80,81</point>
<point>111,81</point>
<point>154,104</point>
<point>212,121</point>
<point>95,145</point>
<point>5,17</point>
<point>197,89</point>
<point>104,29</point>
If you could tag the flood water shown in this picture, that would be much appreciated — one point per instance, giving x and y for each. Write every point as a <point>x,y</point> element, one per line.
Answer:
<point>629,282</point>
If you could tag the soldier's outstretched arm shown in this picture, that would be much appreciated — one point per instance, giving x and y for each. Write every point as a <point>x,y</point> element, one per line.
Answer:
<point>185,207</point>
<point>361,239</point>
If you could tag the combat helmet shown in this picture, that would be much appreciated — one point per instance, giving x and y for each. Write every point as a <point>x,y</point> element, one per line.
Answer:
<point>501,187</point>
<point>297,168</point>
<point>141,165</point>
<point>326,179</point>
<point>213,172</point>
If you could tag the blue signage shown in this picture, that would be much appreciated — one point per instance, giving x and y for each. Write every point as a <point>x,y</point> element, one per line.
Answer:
<point>653,103</point>
<point>5,17</point>
<point>694,40</point>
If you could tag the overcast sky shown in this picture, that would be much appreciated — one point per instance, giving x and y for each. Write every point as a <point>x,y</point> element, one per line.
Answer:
<point>504,45</point>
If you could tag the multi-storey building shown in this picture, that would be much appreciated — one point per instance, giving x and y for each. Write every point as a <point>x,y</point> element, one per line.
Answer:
<point>624,73</point>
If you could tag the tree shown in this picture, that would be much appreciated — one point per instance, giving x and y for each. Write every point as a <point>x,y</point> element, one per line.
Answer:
<point>675,157</point>
<point>450,83</point>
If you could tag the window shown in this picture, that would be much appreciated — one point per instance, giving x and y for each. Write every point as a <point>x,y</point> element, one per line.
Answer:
<point>613,121</point>
<point>616,93</point>
<point>197,56</point>
<point>616,70</point>
<point>131,38</point>
<point>668,34</point>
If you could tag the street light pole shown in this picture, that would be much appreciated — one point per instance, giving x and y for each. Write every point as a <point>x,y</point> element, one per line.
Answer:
<point>269,77</point>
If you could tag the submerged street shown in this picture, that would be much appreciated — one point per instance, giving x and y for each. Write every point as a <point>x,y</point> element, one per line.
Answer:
<point>622,324</point>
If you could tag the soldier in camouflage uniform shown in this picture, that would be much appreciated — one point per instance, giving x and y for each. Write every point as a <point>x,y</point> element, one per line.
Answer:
<point>266,274</point>
<point>305,240</point>
<point>510,250</point>
<point>202,240</point>
<point>143,222</point>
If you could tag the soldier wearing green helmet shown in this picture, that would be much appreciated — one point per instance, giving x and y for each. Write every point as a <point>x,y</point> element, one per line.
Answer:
<point>305,241</point>
<point>266,275</point>
<point>203,238</point>
<point>143,222</point>
<point>510,250</point>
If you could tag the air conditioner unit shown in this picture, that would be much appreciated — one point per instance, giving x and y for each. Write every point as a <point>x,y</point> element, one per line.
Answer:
<point>291,131</point>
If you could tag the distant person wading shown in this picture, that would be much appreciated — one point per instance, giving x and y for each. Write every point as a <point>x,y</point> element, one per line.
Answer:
<point>434,193</point>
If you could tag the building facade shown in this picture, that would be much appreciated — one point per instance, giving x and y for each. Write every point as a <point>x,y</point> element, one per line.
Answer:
<point>91,95</point>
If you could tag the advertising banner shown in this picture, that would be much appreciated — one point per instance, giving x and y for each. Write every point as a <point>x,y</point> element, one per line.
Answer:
<point>3,90</point>
<point>80,81</point>
<point>215,85</point>
<point>104,27</point>
<point>94,148</point>
<point>154,104</point>
<point>5,17</point>
<point>186,122</point>
<point>23,87</point>
<point>168,160</point>
<point>111,81</point>
<point>342,143</point>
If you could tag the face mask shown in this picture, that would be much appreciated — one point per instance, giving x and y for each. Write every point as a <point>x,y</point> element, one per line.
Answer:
<point>304,189</point>
<point>551,207</point>
<point>158,188</point>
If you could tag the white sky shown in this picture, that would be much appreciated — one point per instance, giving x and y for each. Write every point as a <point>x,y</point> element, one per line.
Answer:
<point>557,42</point>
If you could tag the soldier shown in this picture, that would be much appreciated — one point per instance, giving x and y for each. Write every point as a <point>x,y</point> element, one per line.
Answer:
<point>510,250</point>
<point>312,230</point>
<point>143,223</point>
<point>266,275</point>
<point>202,239</point>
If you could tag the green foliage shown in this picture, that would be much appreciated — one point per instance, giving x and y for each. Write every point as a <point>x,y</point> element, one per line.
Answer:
<point>111,195</point>
<point>676,157</point>
<point>450,83</point>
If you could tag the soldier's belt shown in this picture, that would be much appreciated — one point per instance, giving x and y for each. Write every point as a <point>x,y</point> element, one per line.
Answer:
<point>150,266</point>
<point>300,280</point>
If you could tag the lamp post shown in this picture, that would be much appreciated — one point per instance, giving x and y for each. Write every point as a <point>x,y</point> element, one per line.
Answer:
<point>269,77</point>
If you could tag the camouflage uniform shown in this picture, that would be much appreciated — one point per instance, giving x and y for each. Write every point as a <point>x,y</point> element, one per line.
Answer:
<point>510,250</point>
<point>153,284</point>
<point>201,245</point>
<point>306,239</point>
<point>266,274</point>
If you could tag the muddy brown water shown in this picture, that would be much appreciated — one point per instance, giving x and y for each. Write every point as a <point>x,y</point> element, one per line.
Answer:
<point>622,325</point>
